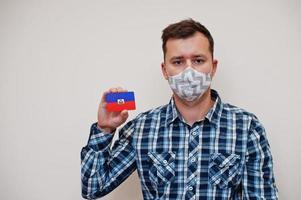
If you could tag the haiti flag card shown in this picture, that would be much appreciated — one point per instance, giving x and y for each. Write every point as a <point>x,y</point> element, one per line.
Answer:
<point>118,101</point>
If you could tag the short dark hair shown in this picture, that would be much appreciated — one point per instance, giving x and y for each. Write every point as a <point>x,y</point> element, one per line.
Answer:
<point>183,30</point>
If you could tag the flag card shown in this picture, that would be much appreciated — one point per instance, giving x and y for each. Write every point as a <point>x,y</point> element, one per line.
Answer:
<point>118,101</point>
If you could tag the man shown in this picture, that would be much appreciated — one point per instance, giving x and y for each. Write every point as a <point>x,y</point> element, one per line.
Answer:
<point>195,147</point>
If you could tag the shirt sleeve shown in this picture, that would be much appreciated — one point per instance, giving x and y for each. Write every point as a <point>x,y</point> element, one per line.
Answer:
<point>258,176</point>
<point>103,168</point>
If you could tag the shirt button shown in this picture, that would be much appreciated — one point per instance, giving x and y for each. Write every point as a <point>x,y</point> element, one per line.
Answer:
<point>193,159</point>
<point>165,161</point>
<point>194,133</point>
<point>190,188</point>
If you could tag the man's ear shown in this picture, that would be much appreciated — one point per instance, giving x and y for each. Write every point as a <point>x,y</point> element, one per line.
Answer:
<point>214,67</point>
<point>163,68</point>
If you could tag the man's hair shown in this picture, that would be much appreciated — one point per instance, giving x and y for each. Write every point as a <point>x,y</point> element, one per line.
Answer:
<point>183,30</point>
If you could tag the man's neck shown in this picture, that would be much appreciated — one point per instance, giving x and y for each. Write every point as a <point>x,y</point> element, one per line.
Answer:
<point>195,110</point>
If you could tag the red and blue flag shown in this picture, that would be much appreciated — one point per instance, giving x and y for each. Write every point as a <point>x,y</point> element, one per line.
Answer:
<point>118,101</point>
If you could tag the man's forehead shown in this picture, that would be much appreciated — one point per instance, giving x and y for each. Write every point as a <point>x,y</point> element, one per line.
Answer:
<point>193,45</point>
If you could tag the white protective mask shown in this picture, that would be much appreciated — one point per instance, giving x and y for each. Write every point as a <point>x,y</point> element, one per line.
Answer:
<point>190,84</point>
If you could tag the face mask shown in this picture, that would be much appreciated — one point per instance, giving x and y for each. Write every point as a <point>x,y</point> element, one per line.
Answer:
<point>190,84</point>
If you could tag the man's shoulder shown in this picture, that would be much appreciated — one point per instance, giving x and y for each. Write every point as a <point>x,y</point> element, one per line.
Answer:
<point>243,116</point>
<point>238,111</point>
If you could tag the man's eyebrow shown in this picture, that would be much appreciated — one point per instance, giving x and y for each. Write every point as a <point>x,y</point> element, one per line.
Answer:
<point>194,56</point>
<point>176,57</point>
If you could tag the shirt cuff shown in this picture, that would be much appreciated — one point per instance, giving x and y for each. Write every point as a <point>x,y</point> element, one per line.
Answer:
<point>98,139</point>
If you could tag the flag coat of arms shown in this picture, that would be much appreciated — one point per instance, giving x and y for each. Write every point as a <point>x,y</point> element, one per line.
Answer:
<point>119,101</point>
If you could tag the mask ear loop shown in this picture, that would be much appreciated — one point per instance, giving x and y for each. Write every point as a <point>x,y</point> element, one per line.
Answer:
<point>210,73</point>
<point>168,76</point>
<point>166,73</point>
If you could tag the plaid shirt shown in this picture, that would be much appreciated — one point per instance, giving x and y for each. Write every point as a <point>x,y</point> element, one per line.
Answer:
<point>224,156</point>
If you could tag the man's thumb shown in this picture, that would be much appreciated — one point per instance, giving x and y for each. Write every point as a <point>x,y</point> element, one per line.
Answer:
<point>124,114</point>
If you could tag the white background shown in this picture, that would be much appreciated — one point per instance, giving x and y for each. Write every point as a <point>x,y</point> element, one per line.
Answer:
<point>58,56</point>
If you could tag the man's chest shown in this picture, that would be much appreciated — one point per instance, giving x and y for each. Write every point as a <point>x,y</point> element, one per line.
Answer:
<point>198,157</point>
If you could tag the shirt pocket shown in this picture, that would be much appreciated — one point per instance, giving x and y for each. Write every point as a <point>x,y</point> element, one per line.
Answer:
<point>162,167</point>
<point>224,169</point>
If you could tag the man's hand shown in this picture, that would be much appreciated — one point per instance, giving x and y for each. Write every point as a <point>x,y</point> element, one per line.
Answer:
<point>109,121</point>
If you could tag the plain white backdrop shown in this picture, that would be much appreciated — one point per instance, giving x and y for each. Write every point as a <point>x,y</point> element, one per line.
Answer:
<point>58,56</point>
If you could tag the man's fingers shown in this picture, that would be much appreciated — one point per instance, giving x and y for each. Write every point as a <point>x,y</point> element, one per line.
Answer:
<point>113,90</point>
<point>103,98</point>
<point>120,89</point>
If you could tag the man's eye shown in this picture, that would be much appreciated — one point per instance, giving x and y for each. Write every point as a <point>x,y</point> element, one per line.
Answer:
<point>177,62</point>
<point>198,61</point>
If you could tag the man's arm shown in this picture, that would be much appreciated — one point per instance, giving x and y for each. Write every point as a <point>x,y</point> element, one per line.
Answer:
<point>258,177</point>
<point>102,168</point>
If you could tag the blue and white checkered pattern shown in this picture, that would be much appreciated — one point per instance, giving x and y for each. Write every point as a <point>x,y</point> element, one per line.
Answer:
<point>224,156</point>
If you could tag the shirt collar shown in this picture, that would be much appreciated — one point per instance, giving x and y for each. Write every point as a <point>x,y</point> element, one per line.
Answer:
<point>213,114</point>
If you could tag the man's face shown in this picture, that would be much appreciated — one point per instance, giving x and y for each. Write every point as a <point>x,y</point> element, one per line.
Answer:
<point>193,51</point>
